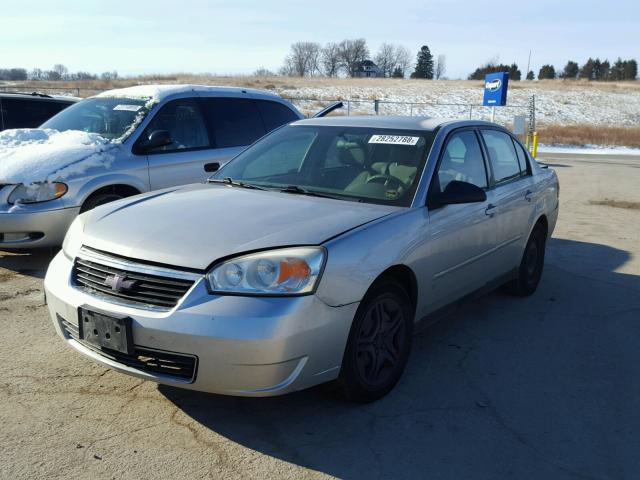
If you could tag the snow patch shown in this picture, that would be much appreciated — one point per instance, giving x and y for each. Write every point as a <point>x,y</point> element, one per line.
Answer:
<point>588,149</point>
<point>34,155</point>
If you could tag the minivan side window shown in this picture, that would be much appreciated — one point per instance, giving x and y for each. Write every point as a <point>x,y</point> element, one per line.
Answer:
<point>183,120</point>
<point>502,155</point>
<point>275,114</point>
<point>462,160</point>
<point>235,122</point>
<point>27,113</point>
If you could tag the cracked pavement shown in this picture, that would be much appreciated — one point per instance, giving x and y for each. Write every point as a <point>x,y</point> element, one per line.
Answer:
<point>542,387</point>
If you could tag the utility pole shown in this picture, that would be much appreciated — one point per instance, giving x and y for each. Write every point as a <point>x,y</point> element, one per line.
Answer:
<point>528,64</point>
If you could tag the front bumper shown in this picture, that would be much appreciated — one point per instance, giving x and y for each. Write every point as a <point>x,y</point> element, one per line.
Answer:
<point>246,346</point>
<point>39,228</point>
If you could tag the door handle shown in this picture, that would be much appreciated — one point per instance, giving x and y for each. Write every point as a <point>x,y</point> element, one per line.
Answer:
<point>528,195</point>
<point>491,210</point>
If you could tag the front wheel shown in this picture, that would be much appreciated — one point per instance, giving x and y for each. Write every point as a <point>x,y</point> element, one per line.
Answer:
<point>530,270</point>
<point>379,343</point>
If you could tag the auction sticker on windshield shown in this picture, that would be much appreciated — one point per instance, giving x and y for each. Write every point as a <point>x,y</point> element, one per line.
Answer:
<point>394,139</point>
<point>128,108</point>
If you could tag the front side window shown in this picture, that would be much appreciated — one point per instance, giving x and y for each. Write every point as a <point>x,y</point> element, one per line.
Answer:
<point>112,118</point>
<point>462,161</point>
<point>502,155</point>
<point>183,120</point>
<point>235,122</point>
<point>351,163</point>
<point>275,114</point>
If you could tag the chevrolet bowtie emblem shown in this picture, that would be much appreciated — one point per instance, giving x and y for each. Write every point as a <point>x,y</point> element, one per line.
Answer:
<point>118,283</point>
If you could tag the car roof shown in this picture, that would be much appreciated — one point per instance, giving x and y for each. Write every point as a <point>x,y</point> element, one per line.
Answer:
<point>39,96</point>
<point>390,122</point>
<point>160,92</point>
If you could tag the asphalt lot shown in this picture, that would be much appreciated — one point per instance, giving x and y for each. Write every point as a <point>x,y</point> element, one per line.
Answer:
<point>543,387</point>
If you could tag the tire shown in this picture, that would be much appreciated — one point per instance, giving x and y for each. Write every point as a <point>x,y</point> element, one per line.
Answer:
<point>379,343</point>
<point>531,265</point>
<point>99,199</point>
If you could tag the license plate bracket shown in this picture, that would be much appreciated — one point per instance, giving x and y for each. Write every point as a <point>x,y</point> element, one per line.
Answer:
<point>105,331</point>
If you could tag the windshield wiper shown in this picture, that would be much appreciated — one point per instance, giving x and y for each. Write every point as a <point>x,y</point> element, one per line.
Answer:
<point>295,189</point>
<point>235,183</point>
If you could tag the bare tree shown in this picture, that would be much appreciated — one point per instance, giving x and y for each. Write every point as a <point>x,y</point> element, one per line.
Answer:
<point>441,67</point>
<point>386,59</point>
<point>352,54</point>
<point>330,58</point>
<point>303,60</point>
<point>60,70</point>
<point>403,60</point>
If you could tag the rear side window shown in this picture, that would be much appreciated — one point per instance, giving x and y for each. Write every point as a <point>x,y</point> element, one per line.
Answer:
<point>462,161</point>
<point>183,120</point>
<point>235,122</point>
<point>522,158</point>
<point>26,113</point>
<point>502,154</point>
<point>275,114</point>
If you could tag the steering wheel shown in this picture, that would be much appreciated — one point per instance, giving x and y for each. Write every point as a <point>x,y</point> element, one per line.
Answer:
<point>386,180</point>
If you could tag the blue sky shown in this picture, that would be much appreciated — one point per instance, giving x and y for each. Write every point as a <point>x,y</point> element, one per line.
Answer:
<point>139,36</point>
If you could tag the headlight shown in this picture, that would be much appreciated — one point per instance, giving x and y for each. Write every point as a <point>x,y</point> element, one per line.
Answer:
<point>286,271</point>
<point>37,192</point>
<point>73,239</point>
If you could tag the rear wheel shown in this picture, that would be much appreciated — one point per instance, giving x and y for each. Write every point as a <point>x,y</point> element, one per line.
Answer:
<point>530,270</point>
<point>379,343</point>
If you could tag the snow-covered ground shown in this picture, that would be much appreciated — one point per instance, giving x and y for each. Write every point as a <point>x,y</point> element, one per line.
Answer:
<point>563,104</point>
<point>589,150</point>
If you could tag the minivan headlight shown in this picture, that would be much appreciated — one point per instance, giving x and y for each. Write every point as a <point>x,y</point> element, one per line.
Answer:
<point>286,271</point>
<point>37,192</point>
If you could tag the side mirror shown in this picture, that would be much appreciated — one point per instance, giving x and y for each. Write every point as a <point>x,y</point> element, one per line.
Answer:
<point>211,167</point>
<point>156,139</point>
<point>457,192</point>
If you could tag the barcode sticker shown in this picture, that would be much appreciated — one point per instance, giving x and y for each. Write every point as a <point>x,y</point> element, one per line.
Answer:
<point>128,108</point>
<point>394,139</point>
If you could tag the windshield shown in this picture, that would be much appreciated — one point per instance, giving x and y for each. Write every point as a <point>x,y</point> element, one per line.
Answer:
<point>362,164</point>
<point>112,118</point>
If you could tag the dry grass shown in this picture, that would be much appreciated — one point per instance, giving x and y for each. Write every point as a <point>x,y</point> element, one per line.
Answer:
<point>617,204</point>
<point>589,134</point>
<point>292,83</point>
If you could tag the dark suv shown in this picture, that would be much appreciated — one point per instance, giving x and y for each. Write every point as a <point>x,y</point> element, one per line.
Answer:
<point>30,110</point>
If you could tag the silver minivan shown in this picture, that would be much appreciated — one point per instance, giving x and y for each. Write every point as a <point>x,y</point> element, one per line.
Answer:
<point>121,143</point>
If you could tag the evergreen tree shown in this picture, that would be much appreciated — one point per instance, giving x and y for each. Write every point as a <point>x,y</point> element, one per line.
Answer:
<point>531,75</point>
<point>514,72</point>
<point>630,70</point>
<point>587,70</point>
<point>617,71</point>
<point>605,71</point>
<point>424,64</point>
<point>397,73</point>
<point>570,71</point>
<point>547,72</point>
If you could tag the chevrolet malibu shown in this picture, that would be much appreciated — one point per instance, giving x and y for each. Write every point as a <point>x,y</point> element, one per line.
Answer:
<point>306,259</point>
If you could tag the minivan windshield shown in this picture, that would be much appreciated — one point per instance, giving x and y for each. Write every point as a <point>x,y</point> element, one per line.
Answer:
<point>371,165</point>
<point>112,118</point>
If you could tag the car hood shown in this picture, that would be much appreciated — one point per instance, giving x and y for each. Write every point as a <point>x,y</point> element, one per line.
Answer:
<point>29,155</point>
<point>198,224</point>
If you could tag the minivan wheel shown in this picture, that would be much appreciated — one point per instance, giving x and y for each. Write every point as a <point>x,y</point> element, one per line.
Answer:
<point>530,270</point>
<point>99,199</point>
<point>379,343</point>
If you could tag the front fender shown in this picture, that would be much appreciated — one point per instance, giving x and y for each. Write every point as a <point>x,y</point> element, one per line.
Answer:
<point>356,259</point>
<point>88,186</point>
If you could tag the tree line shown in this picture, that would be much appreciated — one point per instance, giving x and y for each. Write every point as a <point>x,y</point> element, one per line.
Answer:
<point>308,59</point>
<point>592,69</point>
<point>57,73</point>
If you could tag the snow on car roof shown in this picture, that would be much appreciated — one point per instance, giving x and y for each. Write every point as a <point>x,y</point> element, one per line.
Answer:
<point>158,93</point>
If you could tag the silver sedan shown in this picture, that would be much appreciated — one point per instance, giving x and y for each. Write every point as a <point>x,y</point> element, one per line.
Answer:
<point>306,259</point>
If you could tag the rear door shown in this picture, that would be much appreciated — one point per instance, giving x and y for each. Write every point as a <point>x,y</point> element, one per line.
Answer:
<point>182,161</point>
<point>513,196</point>
<point>462,237</point>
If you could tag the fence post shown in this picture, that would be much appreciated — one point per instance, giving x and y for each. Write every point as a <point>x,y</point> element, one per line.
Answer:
<point>470,111</point>
<point>348,107</point>
<point>376,106</point>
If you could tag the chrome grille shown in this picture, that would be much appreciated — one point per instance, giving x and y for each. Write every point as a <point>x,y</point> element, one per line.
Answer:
<point>128,282</point>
